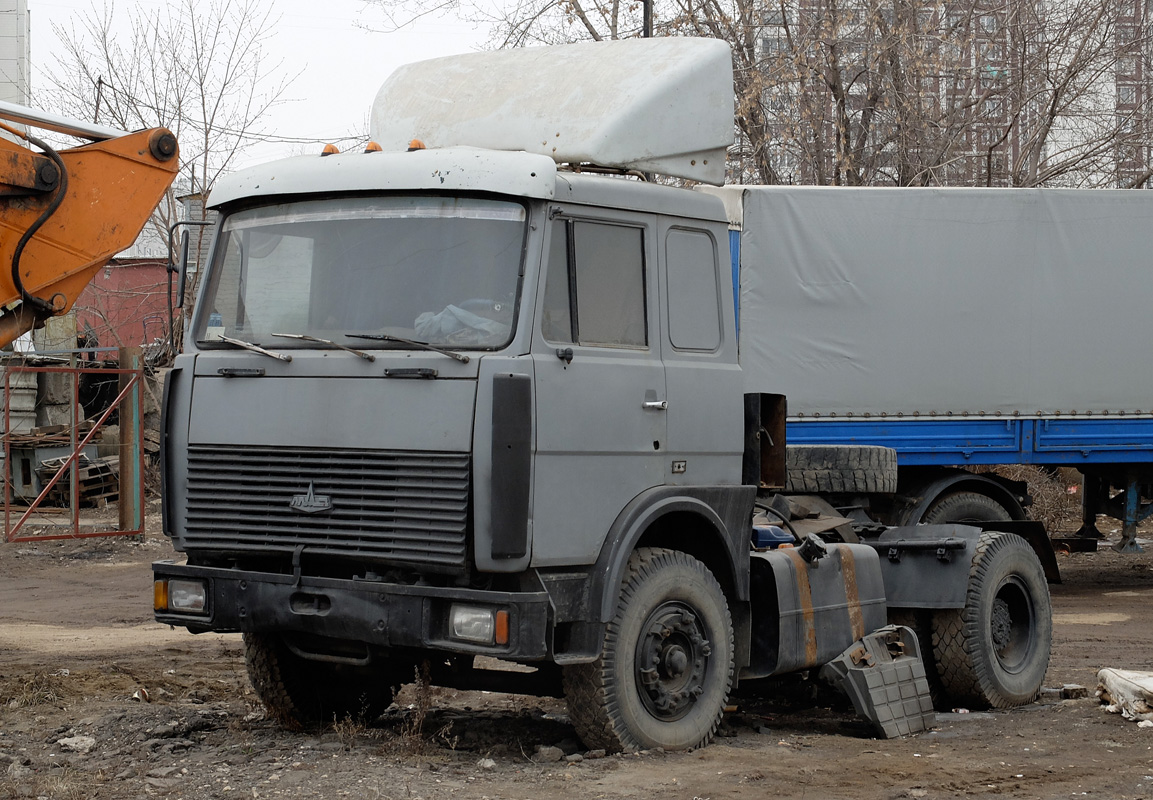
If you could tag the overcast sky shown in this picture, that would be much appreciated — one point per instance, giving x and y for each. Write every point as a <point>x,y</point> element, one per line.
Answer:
<point>342,65</point>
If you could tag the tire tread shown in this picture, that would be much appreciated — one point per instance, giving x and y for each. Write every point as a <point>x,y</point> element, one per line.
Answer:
<point>263,663</point>
<point>590,690</point>
<point>813,469</point>
<point>297,692</point>
<point>958,634</point>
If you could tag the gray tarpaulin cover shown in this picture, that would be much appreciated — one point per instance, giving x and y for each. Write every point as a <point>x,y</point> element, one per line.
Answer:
<point>970,301</point>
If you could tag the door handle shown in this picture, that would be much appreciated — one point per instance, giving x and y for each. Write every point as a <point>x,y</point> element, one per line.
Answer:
<point>655,405</point>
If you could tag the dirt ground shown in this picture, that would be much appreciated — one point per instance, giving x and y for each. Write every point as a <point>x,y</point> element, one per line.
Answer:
<point>99,701</point>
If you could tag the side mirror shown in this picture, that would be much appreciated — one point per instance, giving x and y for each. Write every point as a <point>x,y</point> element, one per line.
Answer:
<point>180,266</point>
<point>183,267</point>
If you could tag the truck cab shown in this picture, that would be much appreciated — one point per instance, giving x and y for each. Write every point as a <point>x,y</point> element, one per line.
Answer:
<point>484,399</point>
<point>455,385</point>
<point>430,403</point>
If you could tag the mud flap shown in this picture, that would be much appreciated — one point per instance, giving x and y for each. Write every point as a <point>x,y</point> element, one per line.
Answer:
<point>883,675</point>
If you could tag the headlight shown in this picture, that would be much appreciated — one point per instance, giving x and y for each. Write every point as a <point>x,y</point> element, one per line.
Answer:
<point>190,597</point>
<point>478,624</point>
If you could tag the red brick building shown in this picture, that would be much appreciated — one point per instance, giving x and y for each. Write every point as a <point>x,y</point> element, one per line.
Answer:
<point>126,304</point>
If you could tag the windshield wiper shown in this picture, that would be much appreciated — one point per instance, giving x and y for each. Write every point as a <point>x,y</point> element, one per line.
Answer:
<point>384,337</point>
<point>253,347</point>
<point>306,338</point>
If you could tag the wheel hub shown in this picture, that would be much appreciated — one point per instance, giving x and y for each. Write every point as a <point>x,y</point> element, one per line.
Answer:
<point>1011,624</point>
<point>675,661</point>
<point>672,659</point>
<point>1002,624</point>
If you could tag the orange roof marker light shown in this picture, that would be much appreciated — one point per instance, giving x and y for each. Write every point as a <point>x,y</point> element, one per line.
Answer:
<point>415,144</point>
<point>329,149</point>
<point>372,147</point>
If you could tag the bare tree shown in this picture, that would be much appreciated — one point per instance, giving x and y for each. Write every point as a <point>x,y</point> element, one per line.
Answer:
<point>904,92</point>
<point>198,67</point>
<point>516,23</point>
<point>916,93</point>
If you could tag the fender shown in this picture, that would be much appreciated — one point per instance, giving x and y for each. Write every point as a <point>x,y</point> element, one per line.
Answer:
<point>584,599</point>
<point>923,488</point>
<point>726,509</point>
<point>926,566</point>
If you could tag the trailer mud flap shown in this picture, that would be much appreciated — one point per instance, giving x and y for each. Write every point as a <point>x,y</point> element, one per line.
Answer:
<point>806,612</point>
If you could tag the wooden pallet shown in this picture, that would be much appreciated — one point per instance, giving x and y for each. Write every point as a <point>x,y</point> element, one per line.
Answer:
<point>49,435</point>
<point>98,480</point>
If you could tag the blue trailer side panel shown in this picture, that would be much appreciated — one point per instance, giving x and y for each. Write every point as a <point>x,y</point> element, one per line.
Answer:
<point>735,256</point>
<point>1056,442</point>
<point>1093,441</point>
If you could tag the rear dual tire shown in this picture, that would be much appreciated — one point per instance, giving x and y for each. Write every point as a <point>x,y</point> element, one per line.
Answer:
<point>965,507</point>
<point>994,652</point>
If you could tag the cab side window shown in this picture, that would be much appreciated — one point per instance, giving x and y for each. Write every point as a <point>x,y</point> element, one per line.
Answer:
<point>595,287</point>
<point>694,290</point>
<point>557,322</point>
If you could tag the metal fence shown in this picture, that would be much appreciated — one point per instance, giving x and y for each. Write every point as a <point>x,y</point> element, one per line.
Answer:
<point>73,468</point>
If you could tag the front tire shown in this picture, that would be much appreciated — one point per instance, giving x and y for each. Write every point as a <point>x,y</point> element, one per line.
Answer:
<point>665,669</point>
<point>298,691</point>
<point>994,652</point>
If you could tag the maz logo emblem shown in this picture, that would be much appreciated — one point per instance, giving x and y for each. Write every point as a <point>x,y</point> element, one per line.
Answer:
<point>310,502</point>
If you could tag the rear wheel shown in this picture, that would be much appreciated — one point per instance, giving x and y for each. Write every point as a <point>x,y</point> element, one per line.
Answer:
<point>666,666</point>
<point>300,691</point>
<point>963,507</point>
<point>994,652</point>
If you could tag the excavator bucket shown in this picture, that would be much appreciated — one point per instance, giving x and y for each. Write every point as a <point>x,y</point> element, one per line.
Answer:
<point>77,220</point>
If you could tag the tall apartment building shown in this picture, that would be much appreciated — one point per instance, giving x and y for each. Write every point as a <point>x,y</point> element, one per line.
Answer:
<point>15,54</point>
<point>1134,151</point>
<point>920,91</point>
<point>956,92</point>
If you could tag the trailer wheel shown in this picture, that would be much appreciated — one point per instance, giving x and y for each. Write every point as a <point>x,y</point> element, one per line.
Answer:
<point>665,669</point>
<point>961,507</point>
<point>815,469</point>
<point>994,652</point>
<point>298,691</point>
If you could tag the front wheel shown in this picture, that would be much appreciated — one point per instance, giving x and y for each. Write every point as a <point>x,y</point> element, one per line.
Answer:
<point>665,669</point>
<point>994,652</point>
<point>300,691</point>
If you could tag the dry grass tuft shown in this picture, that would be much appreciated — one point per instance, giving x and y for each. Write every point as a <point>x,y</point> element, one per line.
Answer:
<point>412,731</point>
<point>60,784</point>
<point>350,729</point>
<point>39,689</point>
<point>67,784</point>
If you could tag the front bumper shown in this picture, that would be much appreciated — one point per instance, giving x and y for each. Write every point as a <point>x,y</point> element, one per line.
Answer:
<point>376,613</point>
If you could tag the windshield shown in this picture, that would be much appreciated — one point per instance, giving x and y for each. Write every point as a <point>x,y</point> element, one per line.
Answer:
<point>439,270</point>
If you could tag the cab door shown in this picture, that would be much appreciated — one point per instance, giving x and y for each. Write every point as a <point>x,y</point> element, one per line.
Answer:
<point>702,377</point>
<point>600,401</point>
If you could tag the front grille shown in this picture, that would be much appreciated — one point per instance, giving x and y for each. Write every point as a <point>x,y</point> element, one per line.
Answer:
<point>390,507</point>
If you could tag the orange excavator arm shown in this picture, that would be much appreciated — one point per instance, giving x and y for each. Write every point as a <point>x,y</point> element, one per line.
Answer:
<point>64,214</point>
